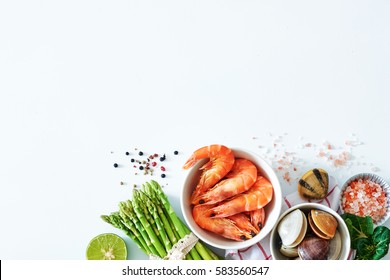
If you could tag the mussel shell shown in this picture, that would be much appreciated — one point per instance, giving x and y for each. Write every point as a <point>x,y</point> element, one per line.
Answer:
<point>322,223</point>
<point>314,184</point>
<point>313,248</point>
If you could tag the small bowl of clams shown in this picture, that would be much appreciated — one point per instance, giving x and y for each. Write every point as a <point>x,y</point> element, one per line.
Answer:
<point>310,231</point>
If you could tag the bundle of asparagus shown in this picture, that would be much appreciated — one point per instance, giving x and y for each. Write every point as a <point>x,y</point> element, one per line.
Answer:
<point>150,221</point>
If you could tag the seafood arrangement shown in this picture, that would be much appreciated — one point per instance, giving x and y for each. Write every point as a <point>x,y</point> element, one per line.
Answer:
<point>309,234</point>
<point>311,231</point>
<point>230,194</point>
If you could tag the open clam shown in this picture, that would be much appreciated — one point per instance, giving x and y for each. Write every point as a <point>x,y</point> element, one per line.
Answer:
<point>292,228</point>
<point>322,223</point>
<point>314,184</point>
<point>313,248</point>
<point>290,252</point>
<point>335,245</point>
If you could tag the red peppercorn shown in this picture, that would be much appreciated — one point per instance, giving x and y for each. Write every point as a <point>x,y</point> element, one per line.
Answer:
<point>162,168</point>
<point>154,163</point>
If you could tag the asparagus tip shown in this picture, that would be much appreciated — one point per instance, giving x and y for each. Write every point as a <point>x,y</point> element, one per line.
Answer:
<point>105,218</point>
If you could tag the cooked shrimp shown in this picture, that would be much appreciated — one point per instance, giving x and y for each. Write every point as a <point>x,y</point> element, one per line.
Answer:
<point>221,226</point>
<point>255,198</point>
<point>242,176</point>
<point>243,221</point>
<point>220,163</point>
<point>257,218</point>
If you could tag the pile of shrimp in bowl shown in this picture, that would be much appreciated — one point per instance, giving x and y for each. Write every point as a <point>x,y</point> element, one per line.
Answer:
<point>231,197</point>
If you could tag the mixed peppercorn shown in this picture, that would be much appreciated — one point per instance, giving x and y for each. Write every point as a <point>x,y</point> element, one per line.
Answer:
<point>147,164</point>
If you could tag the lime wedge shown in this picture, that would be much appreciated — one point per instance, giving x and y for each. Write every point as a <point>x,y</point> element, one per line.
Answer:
<point>107,246</point>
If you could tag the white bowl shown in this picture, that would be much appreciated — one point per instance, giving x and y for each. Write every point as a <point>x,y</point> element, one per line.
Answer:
<point>376,179</point>
<point>275,240</point>
<point>272,209</point>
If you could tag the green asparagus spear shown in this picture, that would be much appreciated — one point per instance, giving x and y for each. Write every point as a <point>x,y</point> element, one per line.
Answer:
<point>127,208</point>
<point>115,221</point>
<point>152,235</point>
<point>198,250</point>
<point>208,250</point>
<point>147,214</point>
<point>127,222</point>
<point>168,224</point>
<point>169,228</point>
<point>152,209</point>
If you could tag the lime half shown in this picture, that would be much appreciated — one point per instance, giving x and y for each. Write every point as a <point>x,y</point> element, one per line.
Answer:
<point>107,246</point>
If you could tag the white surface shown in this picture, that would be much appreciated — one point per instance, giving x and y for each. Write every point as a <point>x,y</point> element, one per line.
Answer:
<point>82,79</point>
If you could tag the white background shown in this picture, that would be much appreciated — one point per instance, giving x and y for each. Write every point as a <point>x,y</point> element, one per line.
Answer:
<point>82,82</point>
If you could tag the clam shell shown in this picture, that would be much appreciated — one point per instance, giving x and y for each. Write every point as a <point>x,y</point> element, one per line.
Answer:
<point>315,229</point>
<point>292,228</point>
<point>302,234</point>
<point>314,184</point>
<point>290,252</point>
<point>322,223</point>
<point>313,248</point>
<point>335,247</point>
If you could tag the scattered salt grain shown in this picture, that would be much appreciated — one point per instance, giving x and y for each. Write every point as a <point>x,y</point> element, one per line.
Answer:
<point>321,154</point>
<point>375,169</point>
<point>327,145</point>
<point>287,177</point>
<point>336,156</point>
<point>353,143</point>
